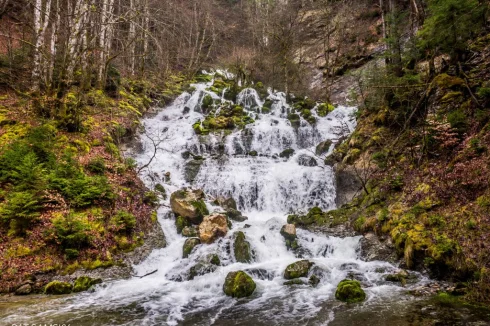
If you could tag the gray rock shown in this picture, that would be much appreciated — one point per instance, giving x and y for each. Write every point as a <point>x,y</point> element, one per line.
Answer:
<point>24,289</point>
<point>306,160</point>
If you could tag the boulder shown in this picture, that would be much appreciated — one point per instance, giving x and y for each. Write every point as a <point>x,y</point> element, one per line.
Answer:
<point>288,231</point>
<point>201,268</point>
<point>314,280</point>
<point>297,269</point>
<point>24,289</point>
<point>83,283</point>
<point>241,248</point>
<point>189,204</point>
<point>189,245</point>
<point>57,288</point>
<point>235,215</point>
<point>213,227</point>
<point>226,203</point>
<point>238,285</point>
<point>287,153</point>
<point>307,160</point>
<point>191,169</point>
<point>350,291</point>
<point>181,223</point>
<point>323,147</point>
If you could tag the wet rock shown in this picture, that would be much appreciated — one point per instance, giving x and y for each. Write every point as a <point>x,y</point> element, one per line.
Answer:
<point>226,203</point>
<point>296,281</point>
<point>287,153</point>
<point>238,285</point>
<point>24,289</point>
<point>213,259</point>
<point>314,280</point>
<point>306,160</point>
<point>260,273</point>
<point>373,249</point>
<point>297,269</point>
<point>402,277</point>
<point>288,231</point>
<point>323,147</point>
<point>190,231</point>
<point>350,291</point>
<point>189,245</point>
<point>57,288</point>
<point>348,266</point>
<point>347,185</point>
<point>181,223</point>
<point>213,227</point>
<point>189,204</point>
<point>241,248</point>
<point>83,283</point>
<point>191,170</point>
<point>201,268</point>
<point>235,215</point>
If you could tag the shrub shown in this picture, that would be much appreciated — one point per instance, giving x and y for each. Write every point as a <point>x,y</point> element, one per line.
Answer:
<point>20,210</point>
<point>96,165</point>
<point>124,221</point>
<point>72,230</point>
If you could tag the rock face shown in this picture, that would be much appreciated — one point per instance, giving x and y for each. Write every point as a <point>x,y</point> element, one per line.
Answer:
<point>241,248</point>
<point>57,287</point>
<point>189,204</point>
<point>213,227</point>
<point>372,248</point>
<point>350,291</point>
<point>189,245</point>
<point>83,283</point>
<point>297,269</point>
<point>238,285</point>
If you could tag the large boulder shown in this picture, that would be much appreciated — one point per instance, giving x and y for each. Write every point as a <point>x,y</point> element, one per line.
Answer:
<point>189,245</point>
<point>189,204</point>
<point>297,269</point>
<point>238,285</point>
<point>58,287</point>
<point>350,291</point>
<point>213,227</point>
<point>83,283</point>
<point>241,248</point>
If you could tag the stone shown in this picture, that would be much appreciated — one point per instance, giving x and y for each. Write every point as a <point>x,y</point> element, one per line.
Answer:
<point>57,288</point>
<point>213,227</point>
<point>287,153</point>
<point>24,289</point>
<point>235,215</point>
<point>226,203</point>
<point>241,248</point>
<point>83,283</point>
<point>296,281</point>
<point>189,204</point>
<point>288,231</point>
<point>306,160</point>
<point>181,223</point>
<point>201,268</point>
<point>297,269</point>
<point>191,170</point>
<point>190,231</point>
<point>189,245</point>
<point>323,147</point>
<point>350,291</point>
<point>238,285</point>
<point>313,280</point>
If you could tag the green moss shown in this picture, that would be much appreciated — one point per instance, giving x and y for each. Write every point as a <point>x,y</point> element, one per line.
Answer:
<point>297,269</point>
<point>241,248</point>
<point>350,291</point>
<point>83,283</point>
<point>189,245</point>
<point>238,285</point>
<point>287,153</point>
<point>95,264</point>
<point>200,207</point>
<point>324,108</point>
<point>123,221</point>
<point>57,288</point>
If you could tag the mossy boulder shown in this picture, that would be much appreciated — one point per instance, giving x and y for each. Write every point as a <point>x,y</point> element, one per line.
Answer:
<point>225,203</point>
<point>350,291</point>
<point>241,248</point>
<point>181,223</point>
<point>324,108</point>
<point>287,153</point>
<point>235,215</point>
<point>189,245</point>
<point>297,269</point>
<point>314,216</point>
<point>83,283</point>
<point>58,287</point>
<point>323,147</point>
<point>238,285</point>
<point>189,204</point>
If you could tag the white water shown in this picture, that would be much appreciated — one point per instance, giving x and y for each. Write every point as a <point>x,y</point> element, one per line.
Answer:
<point>266,189</point>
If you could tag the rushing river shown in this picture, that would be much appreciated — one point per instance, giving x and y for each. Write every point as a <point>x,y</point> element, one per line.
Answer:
<point>267,188</point>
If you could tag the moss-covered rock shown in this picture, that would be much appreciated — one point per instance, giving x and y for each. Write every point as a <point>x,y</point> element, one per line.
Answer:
<point>235,215</point>
<point>238,285</point>
<point>296,281</point>
<point>323,147</point>
<point>297,269</point>
<point>287,153</point>
<point>324,108</point>
<point>241,248</point>
<point>350,291</point>
<point>189,245</point>
<point>189,204</point>
<point>181,223</point>
<point>58,287</point>
<point>83,283</point>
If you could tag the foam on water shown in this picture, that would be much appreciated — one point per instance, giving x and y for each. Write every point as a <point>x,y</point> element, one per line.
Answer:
<point>266,188</point>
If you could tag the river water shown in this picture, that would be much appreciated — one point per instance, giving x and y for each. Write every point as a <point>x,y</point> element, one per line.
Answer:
<point>267,188</point>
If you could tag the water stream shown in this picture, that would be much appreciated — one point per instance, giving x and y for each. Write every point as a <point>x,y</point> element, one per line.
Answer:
<point>267,188</point>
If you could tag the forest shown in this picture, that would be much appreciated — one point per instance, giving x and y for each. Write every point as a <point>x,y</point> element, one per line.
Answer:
<point>311,151</point>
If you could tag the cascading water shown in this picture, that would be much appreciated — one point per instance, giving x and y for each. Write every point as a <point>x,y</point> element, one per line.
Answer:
<point>266,187</point>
